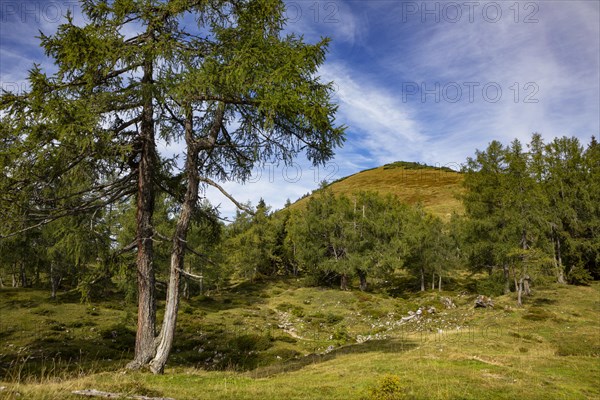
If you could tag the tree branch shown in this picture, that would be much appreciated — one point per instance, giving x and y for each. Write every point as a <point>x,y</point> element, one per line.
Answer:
<point>226,194</point>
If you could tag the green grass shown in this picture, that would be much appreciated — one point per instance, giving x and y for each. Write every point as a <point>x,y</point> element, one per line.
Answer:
<point>437,189</point>
<point>277,340</point>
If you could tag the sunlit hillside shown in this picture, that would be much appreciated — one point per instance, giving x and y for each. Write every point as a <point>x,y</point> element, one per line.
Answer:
<point>437,189</point>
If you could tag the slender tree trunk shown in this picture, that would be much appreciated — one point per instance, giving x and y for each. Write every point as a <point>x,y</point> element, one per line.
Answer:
<point>362,275</point>
<point>561,269</point>
<point>167,333</point>
<point>14,275</point>
<point>36,281</point>
<point>440,283</point>
<point>422,279</point>
<point>1,282</point>
<point>526,288</point>
<point>519,292</point>
<point>23,274</point>
<point>506,279</point>
<point>186,288</point>
<point>53,281</point>
<point>516,285</point>
<point>433,281</point>
<point>344,282</point>
<point>146,324</point>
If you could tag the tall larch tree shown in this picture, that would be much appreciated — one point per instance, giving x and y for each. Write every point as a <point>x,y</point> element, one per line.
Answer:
<point>217,75</point>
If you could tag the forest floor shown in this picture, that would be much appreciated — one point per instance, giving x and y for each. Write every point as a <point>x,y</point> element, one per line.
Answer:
<point>279,340</point>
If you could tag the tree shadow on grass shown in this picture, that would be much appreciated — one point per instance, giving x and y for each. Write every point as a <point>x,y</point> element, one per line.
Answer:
<point>242,295</point>
<point>395,346</point>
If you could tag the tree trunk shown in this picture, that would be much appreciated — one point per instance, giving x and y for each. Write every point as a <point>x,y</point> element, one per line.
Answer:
<point>53,281</point>
<point>506,279</point>
<point>561,270</point>
<point>344,282</point>
<point>167,333</point>
<point>517,286</point>
<point>146,324</point>
<point>23,274</point>
<point>526,287</point>
<point>433,281</point>
<point>422,279</point>
<point>362,275</point>
<point>440,283</point>
<point>519,292</point>
<point>186,288</point>
<point>14,274</point>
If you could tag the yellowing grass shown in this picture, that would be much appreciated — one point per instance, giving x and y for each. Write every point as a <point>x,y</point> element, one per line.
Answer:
<point>437,190</point>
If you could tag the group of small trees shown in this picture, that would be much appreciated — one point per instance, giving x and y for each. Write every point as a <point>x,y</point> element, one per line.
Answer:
<point>338,238</point>
<point>534,213</point>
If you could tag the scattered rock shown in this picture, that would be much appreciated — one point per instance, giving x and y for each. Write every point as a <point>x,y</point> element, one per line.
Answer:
<point>484,302</point>
<point>447,302</point>
<point>431,310</point>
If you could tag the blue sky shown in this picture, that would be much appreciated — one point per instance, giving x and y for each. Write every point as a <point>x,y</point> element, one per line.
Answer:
<point>416,81</point>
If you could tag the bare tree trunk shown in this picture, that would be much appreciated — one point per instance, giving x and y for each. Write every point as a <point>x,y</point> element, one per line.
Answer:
<point>186,288</point>
<point>561,269</point>
<point>506,279</point>
<point>516,283</point>
<point>146,323</point>
<point>167,333</point>
<point>23,274</point>
<point>363,280</point>
<point>526,287</point>
<point>440,283</point>
<point>422,279</point>
<point>519,292</point>
<point>52,281</point>
<point>344,282</point>
<point>14,274</point>
<point>433,281</point>
<point>1,282</point>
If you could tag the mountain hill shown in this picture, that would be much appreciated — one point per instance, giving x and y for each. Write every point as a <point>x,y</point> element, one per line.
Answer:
<point>436,188</point>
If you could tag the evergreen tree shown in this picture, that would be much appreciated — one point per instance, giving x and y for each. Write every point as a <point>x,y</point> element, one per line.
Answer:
<point>231,87</point>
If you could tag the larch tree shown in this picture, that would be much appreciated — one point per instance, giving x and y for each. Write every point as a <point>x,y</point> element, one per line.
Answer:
<point>486,223</point>
<point>217,75</point>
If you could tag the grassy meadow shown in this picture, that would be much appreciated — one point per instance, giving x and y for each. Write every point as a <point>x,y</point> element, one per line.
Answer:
<point>279,340</point>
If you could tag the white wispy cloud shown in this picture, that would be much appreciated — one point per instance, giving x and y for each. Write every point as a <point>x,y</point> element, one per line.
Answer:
<point>380,125</point>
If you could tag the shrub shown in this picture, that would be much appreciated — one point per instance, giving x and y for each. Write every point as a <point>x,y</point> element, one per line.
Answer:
<point>251,342</point>
<point>492,285</point>
<point>580,276</point>
<point>389,388</point>
<point>341,335</point>
<point>333,319</point>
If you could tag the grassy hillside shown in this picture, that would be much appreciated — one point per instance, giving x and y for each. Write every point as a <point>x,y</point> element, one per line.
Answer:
<point>281,341</point>
<point>436,188</point>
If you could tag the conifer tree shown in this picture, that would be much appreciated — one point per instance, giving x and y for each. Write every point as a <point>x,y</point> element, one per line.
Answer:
<point>229,85</point>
